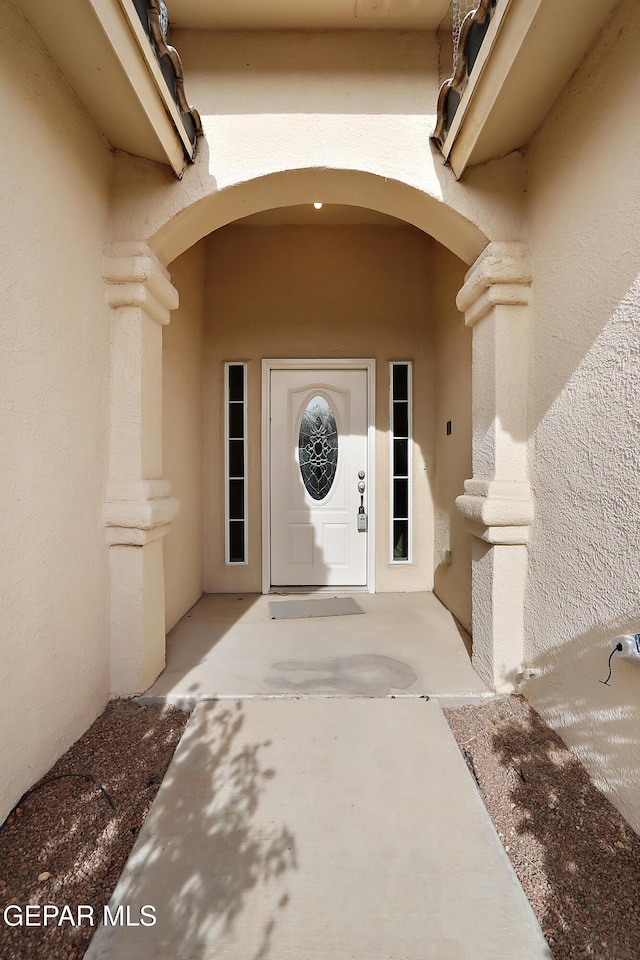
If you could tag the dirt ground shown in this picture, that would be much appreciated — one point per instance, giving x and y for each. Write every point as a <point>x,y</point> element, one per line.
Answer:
<point>577,859</point>
<point>66,844</point>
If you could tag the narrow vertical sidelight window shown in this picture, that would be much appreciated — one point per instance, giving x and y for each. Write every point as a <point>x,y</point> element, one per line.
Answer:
<point>400,456</point>
<point>235,461</point>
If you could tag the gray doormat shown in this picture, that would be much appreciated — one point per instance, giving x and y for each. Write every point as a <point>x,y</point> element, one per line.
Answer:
<point>299,609</point>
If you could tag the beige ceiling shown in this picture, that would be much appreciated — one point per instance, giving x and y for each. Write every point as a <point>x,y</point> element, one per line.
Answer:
<point>331,214</point>
<point>307,14</point>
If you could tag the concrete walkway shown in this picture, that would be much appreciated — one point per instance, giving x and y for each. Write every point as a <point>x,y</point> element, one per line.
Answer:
<point>316,829</point>
<point>404,644</point>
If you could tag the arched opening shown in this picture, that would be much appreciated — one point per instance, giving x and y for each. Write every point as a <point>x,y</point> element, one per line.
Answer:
<point>261,274</point>
<point>213,208</point>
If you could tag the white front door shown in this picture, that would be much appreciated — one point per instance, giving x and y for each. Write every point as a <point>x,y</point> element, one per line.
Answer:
<point>318,448</point>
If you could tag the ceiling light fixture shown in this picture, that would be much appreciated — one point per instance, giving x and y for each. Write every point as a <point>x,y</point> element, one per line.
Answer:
<point>318,205</point>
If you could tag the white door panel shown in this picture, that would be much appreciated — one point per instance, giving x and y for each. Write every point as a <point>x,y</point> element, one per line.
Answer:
<point>314,486</point>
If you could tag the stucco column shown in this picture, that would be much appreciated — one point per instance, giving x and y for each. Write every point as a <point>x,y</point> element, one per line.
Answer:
<point>139,508</point>
<point>497,502</point>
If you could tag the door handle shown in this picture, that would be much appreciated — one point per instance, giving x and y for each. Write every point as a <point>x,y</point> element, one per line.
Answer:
<point>362,517</point>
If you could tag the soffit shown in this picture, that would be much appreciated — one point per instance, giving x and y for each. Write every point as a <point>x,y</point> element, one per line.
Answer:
<point>530,52</point>
<point>559,37</point>
<point>307,14</point>
<point>104,54</point>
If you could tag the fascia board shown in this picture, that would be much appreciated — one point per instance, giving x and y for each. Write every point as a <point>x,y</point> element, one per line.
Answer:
<point>505,36</point>
<point>93,45</point>
<point>154,68</point>
<point>521,68</point>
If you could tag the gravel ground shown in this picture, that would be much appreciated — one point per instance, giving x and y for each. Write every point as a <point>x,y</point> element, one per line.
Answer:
<point>65,844</point>
<point>577,859</point>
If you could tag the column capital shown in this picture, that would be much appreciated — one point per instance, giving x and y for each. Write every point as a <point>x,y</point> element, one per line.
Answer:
<point>497,511</point>
<point>501,275</point>
<point>137,512</point>
<point>135,278</point>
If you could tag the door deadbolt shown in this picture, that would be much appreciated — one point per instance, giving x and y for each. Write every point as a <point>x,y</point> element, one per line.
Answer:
<point>362,517</point>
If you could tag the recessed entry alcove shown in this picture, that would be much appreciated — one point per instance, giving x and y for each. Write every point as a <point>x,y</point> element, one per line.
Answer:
<point>320,290</point>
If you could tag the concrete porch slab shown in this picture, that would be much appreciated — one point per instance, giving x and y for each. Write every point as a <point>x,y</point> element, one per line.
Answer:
<point>347,829</point>
<point>228,646</point>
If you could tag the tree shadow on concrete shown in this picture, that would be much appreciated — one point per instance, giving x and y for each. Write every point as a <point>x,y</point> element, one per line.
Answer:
<point>210,865</point>
<point>590,857</point>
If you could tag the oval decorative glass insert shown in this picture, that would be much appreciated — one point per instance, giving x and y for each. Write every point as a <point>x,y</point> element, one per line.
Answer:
<point>318,448</point>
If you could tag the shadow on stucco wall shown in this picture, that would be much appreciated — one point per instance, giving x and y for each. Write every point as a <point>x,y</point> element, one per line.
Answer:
<point>585,363</point>
<point>600,722</point>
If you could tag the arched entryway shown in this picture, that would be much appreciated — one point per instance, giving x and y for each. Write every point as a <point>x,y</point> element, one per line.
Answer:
<point>446,224</point>
<point>140,510</point>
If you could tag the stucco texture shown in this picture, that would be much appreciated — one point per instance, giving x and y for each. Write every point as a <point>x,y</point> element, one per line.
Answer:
<point>291,117</point>
<point>305,292</point>
<point>182,415</point>
<point>54,350</point>
<point>583,588</point>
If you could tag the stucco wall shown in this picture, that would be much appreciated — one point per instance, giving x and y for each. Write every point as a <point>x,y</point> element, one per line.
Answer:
<point>182,353</point>
<point>452,344</point>
<point>584,197</point>
<point>287,91</point>
<point>54,356</point>
<point>316,292</point>
<point>347,114</point>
